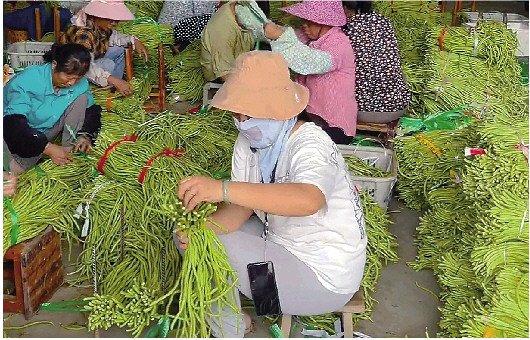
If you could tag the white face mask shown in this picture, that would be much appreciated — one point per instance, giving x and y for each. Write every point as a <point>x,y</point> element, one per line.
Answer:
<point>261,133</point>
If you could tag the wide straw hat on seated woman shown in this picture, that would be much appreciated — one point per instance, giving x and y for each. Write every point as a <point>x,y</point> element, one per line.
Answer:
<point>259,86</point>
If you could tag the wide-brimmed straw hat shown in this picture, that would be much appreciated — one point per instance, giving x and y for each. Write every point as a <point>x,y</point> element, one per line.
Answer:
<point>259,86</point>
<point>109,9</point>
<point>330,13</point>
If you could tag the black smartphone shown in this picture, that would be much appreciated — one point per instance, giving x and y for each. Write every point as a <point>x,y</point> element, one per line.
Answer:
<point>263,288</point>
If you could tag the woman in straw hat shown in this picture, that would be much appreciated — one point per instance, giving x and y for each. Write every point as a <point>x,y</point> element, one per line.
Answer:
<point>322,56</point>
<point>93,27</point>
<point>290,174</point>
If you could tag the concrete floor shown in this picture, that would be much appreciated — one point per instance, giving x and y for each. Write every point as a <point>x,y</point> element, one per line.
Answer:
<point>404,310</point>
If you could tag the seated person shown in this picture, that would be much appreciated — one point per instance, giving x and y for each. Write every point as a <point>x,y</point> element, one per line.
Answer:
<point>381,90</point>
<point>321,54</point>
<point>93,28</point>
<point>289,173</point>
<point>44,101</point>
<point>223,40</point>
<point>188,19</point>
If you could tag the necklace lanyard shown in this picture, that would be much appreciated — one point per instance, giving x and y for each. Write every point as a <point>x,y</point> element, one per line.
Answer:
<point>266,229</point>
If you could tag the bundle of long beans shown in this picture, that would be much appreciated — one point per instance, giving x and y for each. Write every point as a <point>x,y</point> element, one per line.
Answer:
<point>208,138</point>
<point>358,167</point>
<point>490,41</point>
<point>475,237</point>
<point>185,74</point>
<point>430,160</point>
<point>146,8</point>
<point>455,80</point>
<point>46,196</point>
<point>110,208</point>
<point>151,34</point>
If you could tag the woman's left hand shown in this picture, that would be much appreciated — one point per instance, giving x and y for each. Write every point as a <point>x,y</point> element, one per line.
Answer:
<point>197,189</point>
<point>83,144</point>
<point>140,48</point>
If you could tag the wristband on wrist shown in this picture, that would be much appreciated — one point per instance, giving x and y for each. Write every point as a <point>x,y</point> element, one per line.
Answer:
<point>225,191</point>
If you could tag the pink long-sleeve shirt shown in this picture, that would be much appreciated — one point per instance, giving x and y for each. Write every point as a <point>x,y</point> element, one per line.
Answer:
<point>332,94</point>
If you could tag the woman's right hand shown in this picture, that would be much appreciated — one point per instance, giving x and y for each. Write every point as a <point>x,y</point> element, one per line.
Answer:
<point>58,154</point>
<point>121,85</point>
<point>273,31</point>
<point>183,240</point>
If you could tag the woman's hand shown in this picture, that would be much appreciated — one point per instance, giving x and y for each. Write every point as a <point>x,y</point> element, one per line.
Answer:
<point>121,85</point>
<point>273,31</point>
<point>58,154</point>
<point>83,144</point>
<point>197,189</point>
<point>139,47</point>
<point>10,184</point>
<point>182,239</point>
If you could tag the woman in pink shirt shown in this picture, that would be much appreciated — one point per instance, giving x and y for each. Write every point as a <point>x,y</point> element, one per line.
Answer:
<point>322,56</point>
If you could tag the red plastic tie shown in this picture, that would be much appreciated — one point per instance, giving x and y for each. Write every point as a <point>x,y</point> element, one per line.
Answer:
<point>103,160</point>
<point>167,152</point>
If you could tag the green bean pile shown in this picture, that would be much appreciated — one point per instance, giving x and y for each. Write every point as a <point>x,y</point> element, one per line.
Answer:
<point>207,138</point>
<point>422,170</point>
<point>490,41</point>
<point>141,87</point>
<point>381,250</point>
<point>146,8</point>
<point>185,77</point>
<point>151,34</point>
<point>475,236</point>
<point>358,167</point>
<point>458,80</point>
<point>134,309</point>
<point>148,31</point>
<point>46,196</point>
<point>107,201</point>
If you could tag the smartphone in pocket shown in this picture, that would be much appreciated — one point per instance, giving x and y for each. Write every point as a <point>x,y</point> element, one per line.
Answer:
<point>263,288</point>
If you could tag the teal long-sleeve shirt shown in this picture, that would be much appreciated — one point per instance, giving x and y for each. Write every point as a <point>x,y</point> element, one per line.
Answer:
<point>30,93</point>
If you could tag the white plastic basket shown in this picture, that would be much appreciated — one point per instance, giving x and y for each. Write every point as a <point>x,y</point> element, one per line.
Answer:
<point>26,53</point>
<point>379,188</point>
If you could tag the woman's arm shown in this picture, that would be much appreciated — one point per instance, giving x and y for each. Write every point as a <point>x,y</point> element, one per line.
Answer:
<point>301,58</point>
<point>284,199</point>
<point>228,218</point>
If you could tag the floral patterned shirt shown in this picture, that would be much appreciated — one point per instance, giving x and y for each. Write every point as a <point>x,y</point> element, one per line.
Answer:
<point>380,85</point>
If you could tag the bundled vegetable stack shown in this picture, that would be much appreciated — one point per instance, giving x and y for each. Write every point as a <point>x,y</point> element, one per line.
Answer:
<point>381,250</point>
<point>428,161</point>
<point>133,210</point>
<point>475,237</point>
<point>185,73</point>
<point>490,41</point>
<point>361,168</point>
<point>454,80</point>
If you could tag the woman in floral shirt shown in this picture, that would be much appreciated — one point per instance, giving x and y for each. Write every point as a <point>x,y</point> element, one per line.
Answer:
<point>381,90</point>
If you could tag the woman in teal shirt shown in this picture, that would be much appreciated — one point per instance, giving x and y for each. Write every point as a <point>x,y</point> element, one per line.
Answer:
<point>44,100</point>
